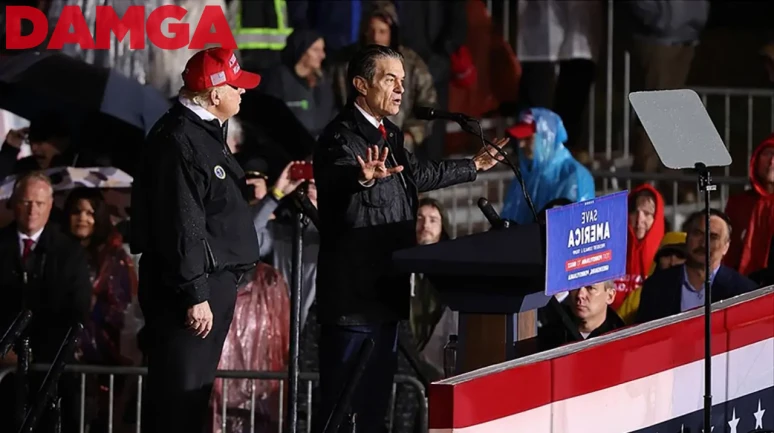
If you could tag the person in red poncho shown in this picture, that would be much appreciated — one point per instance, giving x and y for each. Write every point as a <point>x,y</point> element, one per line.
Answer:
<point>646,229</point>
<point>756,249</point>
<point>740,206</point>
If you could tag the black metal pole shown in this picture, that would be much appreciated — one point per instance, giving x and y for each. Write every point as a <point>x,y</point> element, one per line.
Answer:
<point>23,356</point>
<point>295,319</point>
<point>14,331</point>
<point>705,185</point>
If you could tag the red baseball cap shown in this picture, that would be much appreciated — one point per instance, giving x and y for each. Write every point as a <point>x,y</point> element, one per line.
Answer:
<point>525,128</point>
<point>215,67</point>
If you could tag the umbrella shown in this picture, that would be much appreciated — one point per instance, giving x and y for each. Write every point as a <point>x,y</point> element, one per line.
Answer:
<point>111,113</point>
<point>115,185</point>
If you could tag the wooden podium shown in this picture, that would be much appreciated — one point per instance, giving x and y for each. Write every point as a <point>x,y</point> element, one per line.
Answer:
<point>494,279</point>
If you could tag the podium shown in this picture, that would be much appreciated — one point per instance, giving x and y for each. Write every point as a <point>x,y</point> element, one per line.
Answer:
<point>489,278</point>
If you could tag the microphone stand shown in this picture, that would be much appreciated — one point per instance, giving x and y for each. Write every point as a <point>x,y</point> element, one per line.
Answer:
<point>463,122</point>
<point>13,332</point>
<point>49,387</point>
<point>706,186</point>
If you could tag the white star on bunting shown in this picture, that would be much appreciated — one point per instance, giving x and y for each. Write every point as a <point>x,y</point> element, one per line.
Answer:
<point>734,421</point>
<point>759,415</point>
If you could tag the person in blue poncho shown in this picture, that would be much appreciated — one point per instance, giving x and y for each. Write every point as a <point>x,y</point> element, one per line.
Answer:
<point>549,170</point>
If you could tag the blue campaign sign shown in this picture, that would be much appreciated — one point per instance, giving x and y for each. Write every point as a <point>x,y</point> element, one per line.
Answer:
<point>586,242</point>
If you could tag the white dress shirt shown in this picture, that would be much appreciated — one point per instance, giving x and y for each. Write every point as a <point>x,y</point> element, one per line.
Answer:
<point>35,237</point>
<point>198,110</point>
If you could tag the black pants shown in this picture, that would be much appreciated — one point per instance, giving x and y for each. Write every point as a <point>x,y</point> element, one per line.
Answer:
<point>339,348</point>
<point>182,366</point>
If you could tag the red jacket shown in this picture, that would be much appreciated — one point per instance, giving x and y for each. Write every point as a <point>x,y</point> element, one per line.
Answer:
<point>739,209</point>
<point>641,253</point>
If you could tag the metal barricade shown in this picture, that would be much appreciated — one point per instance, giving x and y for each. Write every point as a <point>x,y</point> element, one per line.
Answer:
<point>460,201</point>
<point>226,376</point>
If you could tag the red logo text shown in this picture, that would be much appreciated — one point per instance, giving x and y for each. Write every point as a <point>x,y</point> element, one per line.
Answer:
<point>211,30</point>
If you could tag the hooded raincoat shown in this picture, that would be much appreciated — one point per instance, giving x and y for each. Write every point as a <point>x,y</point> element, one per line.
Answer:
<point>552,172</point>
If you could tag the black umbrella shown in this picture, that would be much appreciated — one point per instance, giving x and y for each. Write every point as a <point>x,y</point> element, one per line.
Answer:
<point>112,112</point>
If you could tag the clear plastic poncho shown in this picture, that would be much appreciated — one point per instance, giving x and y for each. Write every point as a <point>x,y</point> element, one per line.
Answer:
<point>552,172</point>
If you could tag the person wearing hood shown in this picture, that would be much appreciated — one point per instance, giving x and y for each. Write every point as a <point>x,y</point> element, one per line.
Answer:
<point>380,26</point>
<point>670,253</point>
<point>299,81</point>
<point>646,229</point>
<point>549,169</point>
<point>739,207</point>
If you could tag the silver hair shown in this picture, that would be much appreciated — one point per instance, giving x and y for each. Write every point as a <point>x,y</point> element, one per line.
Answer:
<point>35,176</point>
<point>201,99</point>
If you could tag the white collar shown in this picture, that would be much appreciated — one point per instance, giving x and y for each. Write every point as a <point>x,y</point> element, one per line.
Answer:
<point>371,119</point>
<point>199,111</point>
<point>35,236</point>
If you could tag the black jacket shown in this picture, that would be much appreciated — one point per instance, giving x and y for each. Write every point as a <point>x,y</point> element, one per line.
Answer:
<point>362,227</point>
<point>661,292</point>
<point>58,288</point>
<point>555,333</point>
<point>190,217</point>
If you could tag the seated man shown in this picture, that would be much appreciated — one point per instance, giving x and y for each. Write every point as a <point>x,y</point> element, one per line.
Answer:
<point>681,288</point>
<point>589,307</point>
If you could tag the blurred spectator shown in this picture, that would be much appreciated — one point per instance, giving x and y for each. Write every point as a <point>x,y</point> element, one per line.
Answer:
<point>300,82</point>
<point>436,30</point>
<point>257,340</point>
<point>431,321</point>
<point>756,252</point>
<point>112,275</point>
<point>671,253</point>
<point>235,135</point>
<point>562,33</point>
<point>549,170</point>
<point>256,169</point>
<point>485,70</point>
<point>49,139</point>
<point>274,226</point>
<point>739,207</point>
<point>114,285</point>
<point>664,36</point>
<point>681,288</point>
<point>47,272</point>
<point>336,20</point>
<point>380,26</point>
<point>589,307</point>
<point>646,229</point>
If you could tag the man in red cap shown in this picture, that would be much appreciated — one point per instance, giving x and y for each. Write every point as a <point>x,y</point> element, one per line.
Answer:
<point>192,224</point>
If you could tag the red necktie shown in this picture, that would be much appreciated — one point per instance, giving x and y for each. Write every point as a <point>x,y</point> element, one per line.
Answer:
<point>383,131</point>
<point>28,243</point>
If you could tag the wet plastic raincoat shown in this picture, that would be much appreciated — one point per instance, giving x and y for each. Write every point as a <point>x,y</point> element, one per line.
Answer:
<point>551,173</point>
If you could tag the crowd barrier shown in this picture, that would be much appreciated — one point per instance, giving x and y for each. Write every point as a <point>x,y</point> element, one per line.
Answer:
<point>307,381</point>
<point>460,201</point>
<point>646,378</point>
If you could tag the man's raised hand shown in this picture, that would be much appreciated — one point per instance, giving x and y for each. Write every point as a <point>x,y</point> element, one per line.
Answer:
<point>374,165</point>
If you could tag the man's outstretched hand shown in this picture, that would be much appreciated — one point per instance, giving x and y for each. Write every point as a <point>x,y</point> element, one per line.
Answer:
<point>374,167</point>
<point>488,156</point>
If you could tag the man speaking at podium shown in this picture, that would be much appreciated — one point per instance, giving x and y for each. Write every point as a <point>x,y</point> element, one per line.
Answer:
<point>368,186</point>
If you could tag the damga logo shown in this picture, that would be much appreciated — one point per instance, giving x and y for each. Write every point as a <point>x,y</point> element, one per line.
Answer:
<point>162,28</point>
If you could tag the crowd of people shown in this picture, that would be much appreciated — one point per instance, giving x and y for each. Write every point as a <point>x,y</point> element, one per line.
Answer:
<point>73,264</point>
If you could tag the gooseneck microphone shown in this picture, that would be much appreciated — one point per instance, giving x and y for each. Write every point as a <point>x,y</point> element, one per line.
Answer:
<point>427,113</point>
<point>490,214</point>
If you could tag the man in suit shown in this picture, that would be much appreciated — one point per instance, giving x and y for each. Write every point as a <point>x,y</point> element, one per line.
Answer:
<point>681,288</point>
<point>43,270</point>
<point>368,187</point>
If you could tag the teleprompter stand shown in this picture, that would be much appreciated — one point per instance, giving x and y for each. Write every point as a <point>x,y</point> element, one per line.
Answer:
<point>685,138</point>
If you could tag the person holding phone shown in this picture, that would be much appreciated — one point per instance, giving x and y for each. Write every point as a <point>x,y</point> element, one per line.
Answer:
<point>367,190</point>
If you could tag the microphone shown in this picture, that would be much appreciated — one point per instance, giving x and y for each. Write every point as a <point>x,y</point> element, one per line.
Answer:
<point>490,214</point>
<point>427,113</point>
